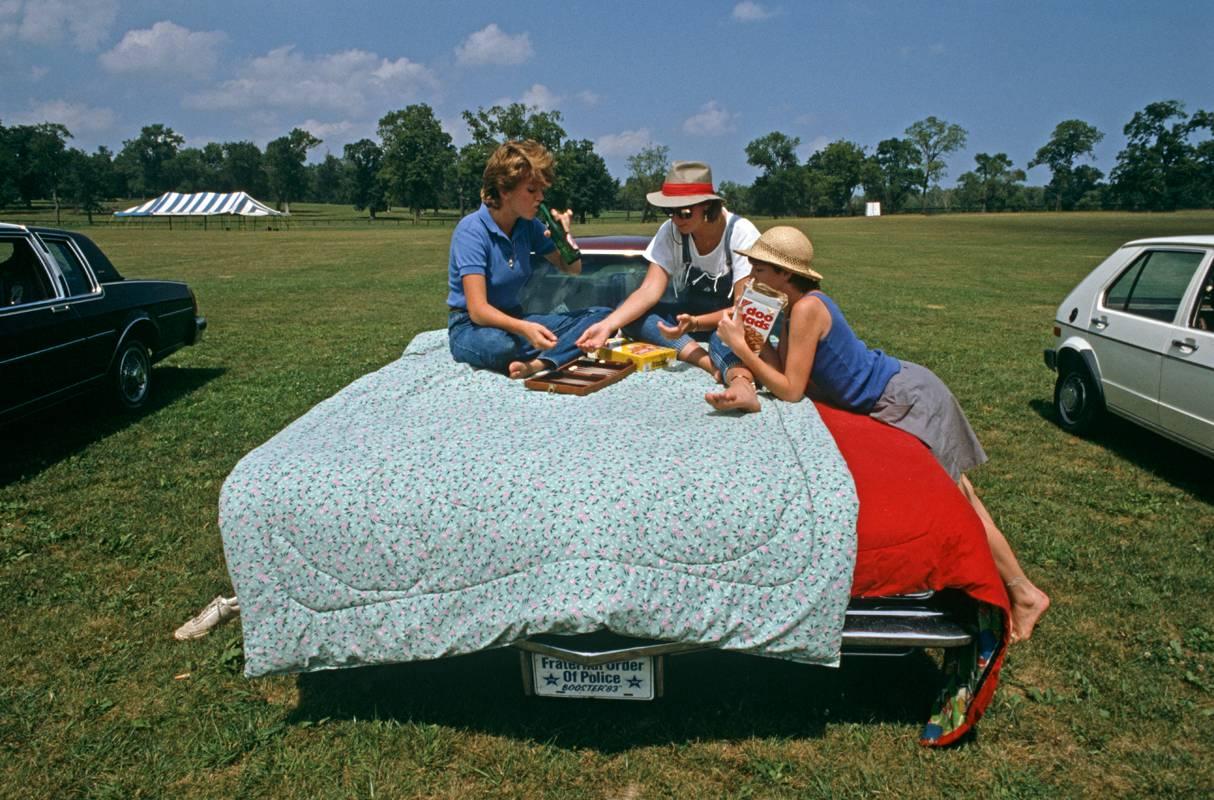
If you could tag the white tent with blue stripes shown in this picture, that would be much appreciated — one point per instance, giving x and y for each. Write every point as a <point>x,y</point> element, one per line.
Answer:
<point>201,204</point>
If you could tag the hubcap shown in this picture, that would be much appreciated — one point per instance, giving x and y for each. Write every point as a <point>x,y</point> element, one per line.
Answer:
<point>1072,396</point>
<point>133,376</point>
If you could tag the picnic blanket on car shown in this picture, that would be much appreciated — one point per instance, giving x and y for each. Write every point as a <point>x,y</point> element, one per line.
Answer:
<point>429,510</point>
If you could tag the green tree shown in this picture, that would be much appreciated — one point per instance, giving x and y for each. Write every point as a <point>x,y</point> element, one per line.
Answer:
<point>418,155</point>
<point>365,159</point>
<point>993,184</point>
<point>89,179</point>
<point>838,170</point>
<point>892,173</point>
<point>1072,139</point>
<point>934,138</point>
<point>1158,169</point>
<point>783,188</point>
<point>646,171</point>
<point>145,159</point>
<point>515,122</point>
<point>284,166</point>
<point>328,180</point>
<point>37,156</point>
<point>242,169</point>
<point>469,173</point>
<point>583,181</point>
<point>735,195</point>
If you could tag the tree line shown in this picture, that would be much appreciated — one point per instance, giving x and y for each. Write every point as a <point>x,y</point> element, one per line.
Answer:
<point>1166,164</point>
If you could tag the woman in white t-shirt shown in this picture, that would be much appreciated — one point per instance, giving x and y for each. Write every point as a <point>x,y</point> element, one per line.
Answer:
<point>694,272</point>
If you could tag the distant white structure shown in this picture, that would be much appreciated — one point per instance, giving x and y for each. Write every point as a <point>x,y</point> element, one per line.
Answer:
<point>202,204</point>
<point>872,209</point>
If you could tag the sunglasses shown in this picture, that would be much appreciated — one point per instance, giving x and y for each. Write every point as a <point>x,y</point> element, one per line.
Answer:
<point>682,213</point>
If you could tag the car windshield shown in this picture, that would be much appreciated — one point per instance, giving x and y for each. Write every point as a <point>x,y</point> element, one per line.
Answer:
<point>606,280</point>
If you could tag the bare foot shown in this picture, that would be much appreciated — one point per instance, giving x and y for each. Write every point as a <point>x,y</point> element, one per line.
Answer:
<point>524,369</point>
<point>740,395</point>
<point>1028,604</point>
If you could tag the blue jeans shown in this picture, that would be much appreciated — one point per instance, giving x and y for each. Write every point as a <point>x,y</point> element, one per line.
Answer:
<point>494,348</point>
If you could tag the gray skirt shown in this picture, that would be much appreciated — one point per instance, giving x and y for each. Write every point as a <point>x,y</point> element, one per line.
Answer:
<point>918,402</point>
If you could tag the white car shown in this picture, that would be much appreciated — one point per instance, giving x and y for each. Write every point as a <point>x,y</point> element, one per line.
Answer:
<point>1136,338</point>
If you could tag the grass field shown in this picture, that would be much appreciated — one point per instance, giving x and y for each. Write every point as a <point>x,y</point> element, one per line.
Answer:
<point>108,541</point>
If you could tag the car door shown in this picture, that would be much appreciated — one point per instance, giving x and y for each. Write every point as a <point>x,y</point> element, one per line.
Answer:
<point>94,335</point>
<point>1134,325</point>
<point>36,327</point>
<point>1186,387</point>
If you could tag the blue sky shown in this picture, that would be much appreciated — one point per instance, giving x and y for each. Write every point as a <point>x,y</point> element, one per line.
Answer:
<point>702,78</point>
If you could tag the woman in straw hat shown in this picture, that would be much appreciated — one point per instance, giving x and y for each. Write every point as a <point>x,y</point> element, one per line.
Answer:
<point>694,270</point>
<point>818,354</point>
<point>490,263</point>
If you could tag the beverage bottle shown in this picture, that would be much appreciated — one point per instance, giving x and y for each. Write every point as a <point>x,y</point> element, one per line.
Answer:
<point>560,236</point>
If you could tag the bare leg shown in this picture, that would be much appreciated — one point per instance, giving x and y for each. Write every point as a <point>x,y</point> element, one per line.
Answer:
<point>698,357</point>
<point>739,394</point>
<point>1028,602</point>
<point>525,369</point>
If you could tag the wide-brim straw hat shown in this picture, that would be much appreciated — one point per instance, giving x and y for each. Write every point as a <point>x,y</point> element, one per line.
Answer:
<point>687,183</point>
<point>785,247</point>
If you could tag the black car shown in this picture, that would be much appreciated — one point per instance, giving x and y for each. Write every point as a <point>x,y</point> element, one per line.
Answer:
<point>69,322</point>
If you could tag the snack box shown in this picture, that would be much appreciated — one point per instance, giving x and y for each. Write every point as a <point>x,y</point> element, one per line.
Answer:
<point>644,355</point>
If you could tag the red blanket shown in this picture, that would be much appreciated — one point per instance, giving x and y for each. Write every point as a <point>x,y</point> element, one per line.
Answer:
<point>916,531</point>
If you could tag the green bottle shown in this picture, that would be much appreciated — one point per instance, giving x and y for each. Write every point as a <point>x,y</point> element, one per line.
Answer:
<point>559,236</point>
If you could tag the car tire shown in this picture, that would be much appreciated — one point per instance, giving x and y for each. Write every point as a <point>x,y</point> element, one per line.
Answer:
<point>1077,399</point>
<point>131,376</point>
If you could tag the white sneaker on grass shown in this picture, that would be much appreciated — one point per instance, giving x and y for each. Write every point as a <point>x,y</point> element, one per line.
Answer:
<point>218,611</point>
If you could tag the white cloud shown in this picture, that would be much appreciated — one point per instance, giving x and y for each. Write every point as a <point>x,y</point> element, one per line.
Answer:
<point>330,131</point>
<point>712,120</point>
<point>624,143</point>
<point>165,47</point>
<point>492,45</point>
<point>751,12</point>
<point>76,117</point>
<point>807,149</point>
<point>541,97</point>
<point>588,98</point>
<point>350,82</point>
<point>37,73</point>
<point>46,21</point>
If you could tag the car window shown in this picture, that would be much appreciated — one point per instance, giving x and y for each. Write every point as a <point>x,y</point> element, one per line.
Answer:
<point>1203,313</point>
<point>69,264</point>
<point>23,278</point>
<point>1154,284</point>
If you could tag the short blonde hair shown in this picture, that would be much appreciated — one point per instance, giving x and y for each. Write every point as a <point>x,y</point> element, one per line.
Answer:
<point>511,164</point>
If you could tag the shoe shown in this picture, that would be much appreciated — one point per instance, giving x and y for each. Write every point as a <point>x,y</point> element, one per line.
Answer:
<point>218,611</point>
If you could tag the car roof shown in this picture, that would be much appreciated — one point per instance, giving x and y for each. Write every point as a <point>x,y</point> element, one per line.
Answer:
<point>1199,240</point>
<point>612,244</point>
<point>9,227</point>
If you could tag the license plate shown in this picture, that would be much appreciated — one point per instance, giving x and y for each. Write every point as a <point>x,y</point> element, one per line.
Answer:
<point>631,679</point>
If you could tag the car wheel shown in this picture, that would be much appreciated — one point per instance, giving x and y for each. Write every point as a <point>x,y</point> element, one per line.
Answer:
<point>1077,399</point>
<point>131,377</point>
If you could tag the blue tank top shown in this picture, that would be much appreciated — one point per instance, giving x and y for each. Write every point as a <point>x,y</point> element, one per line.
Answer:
<point>846,373</point>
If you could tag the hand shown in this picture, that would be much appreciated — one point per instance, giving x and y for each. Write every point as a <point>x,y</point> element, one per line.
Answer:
<point>683,324</point>
<point>595,336</point>
<point>566,219</point>
<point>732,332</point>
<point>540,337</point>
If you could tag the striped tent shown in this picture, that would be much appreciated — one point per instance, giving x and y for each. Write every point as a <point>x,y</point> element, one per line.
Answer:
<point>202,204</point>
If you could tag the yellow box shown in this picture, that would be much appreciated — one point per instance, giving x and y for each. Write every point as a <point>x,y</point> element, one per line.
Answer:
<point>646,356</point>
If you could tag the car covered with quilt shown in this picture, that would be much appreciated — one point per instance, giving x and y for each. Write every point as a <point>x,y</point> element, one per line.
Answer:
<point>69,322</point>
<point>625,527</point>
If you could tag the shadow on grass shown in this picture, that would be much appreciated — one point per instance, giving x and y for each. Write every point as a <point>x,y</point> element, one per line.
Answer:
<point>709,695</point>
<point>45,438</point>
<point>1178,465</point>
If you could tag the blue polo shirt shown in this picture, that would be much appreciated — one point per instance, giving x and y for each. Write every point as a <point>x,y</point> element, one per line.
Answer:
<point>480,247</point>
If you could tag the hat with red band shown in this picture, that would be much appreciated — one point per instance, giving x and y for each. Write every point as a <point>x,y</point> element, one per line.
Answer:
<point>687,183</point>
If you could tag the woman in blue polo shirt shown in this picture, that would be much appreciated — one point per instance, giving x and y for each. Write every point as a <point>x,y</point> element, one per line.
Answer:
<point>491,262</point>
